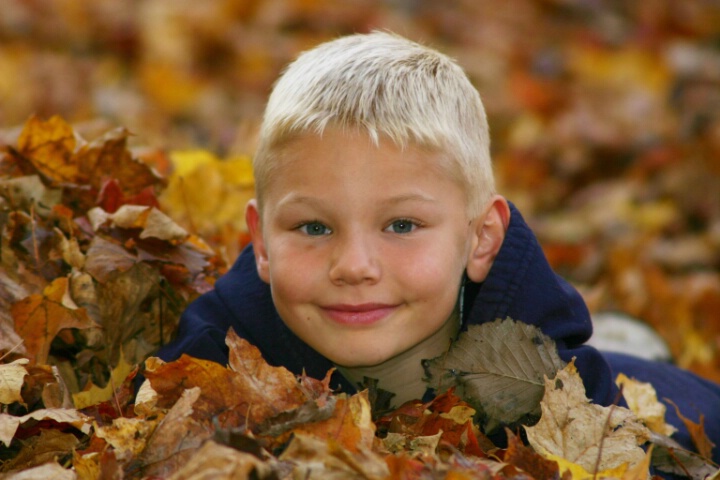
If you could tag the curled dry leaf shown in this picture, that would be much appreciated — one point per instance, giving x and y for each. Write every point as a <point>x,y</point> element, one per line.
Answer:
<point>642,400</point>
<point>10,423</point>
<point>312,457</point>
<point>218,462</point>
<point>498,368</point>
<point>594,437</point>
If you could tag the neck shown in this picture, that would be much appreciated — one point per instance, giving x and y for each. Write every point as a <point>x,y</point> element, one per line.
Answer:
<point>402,375</point>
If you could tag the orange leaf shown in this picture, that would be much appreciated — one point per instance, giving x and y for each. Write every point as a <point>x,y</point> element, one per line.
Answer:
<point>39,318</point>
<point>697,432</point>
<point>49,146</point>
<point>528,460</point>
<point>350,424</point>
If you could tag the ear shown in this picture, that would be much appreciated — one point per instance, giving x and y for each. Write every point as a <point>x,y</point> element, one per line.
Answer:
<point>489,233</point>
<point>254,224</point>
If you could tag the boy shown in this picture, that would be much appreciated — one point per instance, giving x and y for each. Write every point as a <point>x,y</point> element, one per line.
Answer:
<point>378,236</point>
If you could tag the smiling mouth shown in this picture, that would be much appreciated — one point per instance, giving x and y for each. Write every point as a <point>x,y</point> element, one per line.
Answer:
<point>358,315</point>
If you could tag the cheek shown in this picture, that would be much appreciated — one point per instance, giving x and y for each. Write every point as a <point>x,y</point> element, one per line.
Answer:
<point>293,272</point>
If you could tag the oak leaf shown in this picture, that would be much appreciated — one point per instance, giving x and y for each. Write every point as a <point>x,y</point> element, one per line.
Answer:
<point>594,437</point>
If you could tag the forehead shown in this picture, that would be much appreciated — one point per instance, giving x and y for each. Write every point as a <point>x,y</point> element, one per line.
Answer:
<point>337,151</point>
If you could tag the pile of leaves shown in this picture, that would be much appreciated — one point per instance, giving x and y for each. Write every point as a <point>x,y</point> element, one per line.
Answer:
<point>93,278</point>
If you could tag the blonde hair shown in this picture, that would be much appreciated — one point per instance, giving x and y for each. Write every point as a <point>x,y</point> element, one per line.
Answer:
<point>390,87</point>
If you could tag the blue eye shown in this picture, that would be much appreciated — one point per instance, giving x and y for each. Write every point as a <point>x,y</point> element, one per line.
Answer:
<point>314,229</point>
<point>402,225</point>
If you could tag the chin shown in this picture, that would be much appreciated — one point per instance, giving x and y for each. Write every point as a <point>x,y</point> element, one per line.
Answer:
<point>359,360</point>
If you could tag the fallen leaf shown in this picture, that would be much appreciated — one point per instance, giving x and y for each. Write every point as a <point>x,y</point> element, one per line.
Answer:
<point>12,378</point>
<point>349,427</point>
<point>697,433</point>
<point>178,435</point>
<point>642,400</point>
<point>49,147</point>
<point>319,458</point>
<point>528,460</point>
<point>127,436</point>
<point>47,447</point>
<point>43,472</point>
<point>95,395</point>
<point>218,462</point>
<point>39,318</point>
<point>10,423</point>
<point>573,429</point>
<point>498,368</point>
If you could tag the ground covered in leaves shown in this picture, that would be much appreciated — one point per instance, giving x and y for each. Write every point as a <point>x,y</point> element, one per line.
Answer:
<point>606,133</point>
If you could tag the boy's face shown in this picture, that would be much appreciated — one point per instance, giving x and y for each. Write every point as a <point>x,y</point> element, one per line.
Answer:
<point>364,247</point>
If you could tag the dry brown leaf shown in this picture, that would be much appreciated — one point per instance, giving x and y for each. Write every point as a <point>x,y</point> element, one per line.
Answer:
<point>42,472</point>
<point>218,462</point>
<point>12,378</point>
<point>178,435</point>
<point>39,318</point>
<point>697,432</point>
<point>350,425</point>
<point>10,423</point>
<point>319,458</point>
<point>594,437</point>
<point>50,445</point>
<point>498,368</point>
<point>268,391</point>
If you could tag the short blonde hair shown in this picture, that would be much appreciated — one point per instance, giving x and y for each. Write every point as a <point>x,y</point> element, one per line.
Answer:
<point>389,87</point>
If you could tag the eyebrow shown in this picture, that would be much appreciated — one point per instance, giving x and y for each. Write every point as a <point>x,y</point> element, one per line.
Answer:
<point>292,199</point>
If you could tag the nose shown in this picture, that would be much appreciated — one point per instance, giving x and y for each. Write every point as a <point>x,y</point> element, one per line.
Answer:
<point>354,262</point>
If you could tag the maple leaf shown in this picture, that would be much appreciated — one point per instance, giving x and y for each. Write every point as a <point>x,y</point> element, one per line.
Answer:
<point>39,318</point>
<point>499,369</point>
<point>591,436</point>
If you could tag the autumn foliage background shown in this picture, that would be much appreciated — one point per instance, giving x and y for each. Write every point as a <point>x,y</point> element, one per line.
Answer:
<point>605,120</point>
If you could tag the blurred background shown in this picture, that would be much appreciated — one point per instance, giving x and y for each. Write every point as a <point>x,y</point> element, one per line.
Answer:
<point>605,120</point>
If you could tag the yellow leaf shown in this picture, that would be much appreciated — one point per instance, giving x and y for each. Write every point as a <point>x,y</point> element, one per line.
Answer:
<point>128,436</point>
<point>577,472</point>
<point>573,428</point>
<point>642,400</point>
<point>95,395</point>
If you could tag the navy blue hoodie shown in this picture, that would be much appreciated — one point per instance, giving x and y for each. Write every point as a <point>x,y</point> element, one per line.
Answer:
<point>520,285</point>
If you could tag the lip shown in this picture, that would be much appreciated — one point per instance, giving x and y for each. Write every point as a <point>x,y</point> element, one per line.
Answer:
<point>358,315</point>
